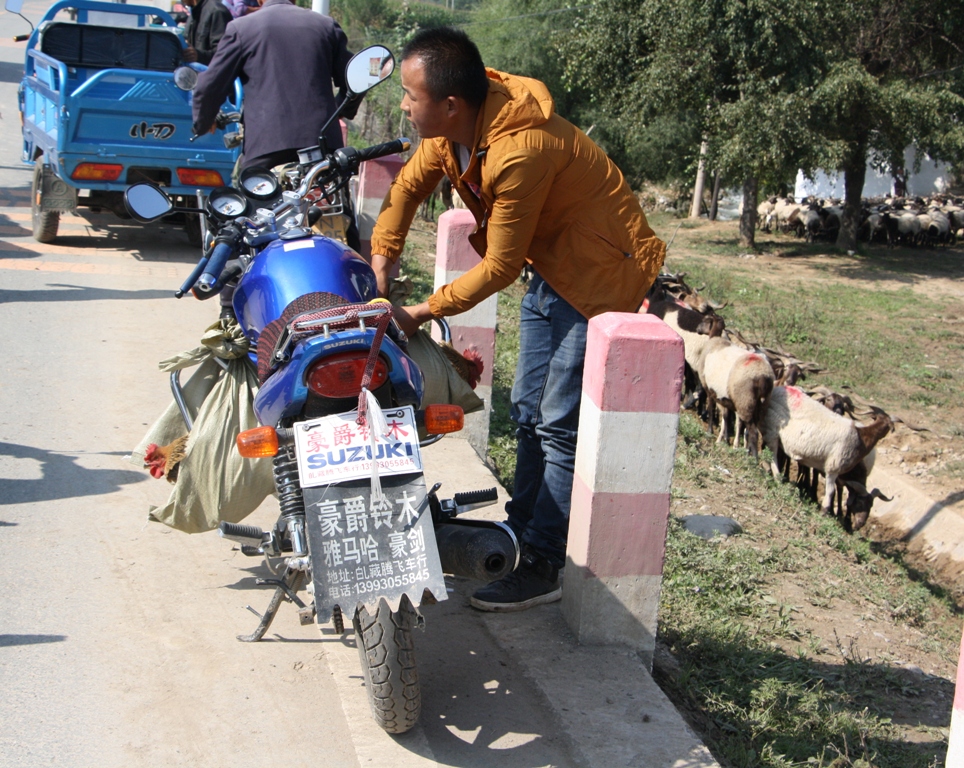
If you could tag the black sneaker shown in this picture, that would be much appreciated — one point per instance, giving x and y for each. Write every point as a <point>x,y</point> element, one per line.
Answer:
<point>534,582</point>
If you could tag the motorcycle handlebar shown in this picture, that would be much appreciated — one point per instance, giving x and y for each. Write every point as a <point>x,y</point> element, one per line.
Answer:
<point>380,150</point>
<point>219,257</point>
<point>20,38</point>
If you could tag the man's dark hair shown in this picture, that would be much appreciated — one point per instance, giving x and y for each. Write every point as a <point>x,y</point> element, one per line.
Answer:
<point>453,64</point>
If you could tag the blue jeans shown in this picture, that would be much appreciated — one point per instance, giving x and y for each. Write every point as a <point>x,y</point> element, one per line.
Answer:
<point>545,406</point>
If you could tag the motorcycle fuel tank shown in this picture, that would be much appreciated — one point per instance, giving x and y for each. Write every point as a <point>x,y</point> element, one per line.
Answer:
<point>287,269</point>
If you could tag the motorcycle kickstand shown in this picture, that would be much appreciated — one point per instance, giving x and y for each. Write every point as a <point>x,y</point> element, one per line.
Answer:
<point>282,592</point>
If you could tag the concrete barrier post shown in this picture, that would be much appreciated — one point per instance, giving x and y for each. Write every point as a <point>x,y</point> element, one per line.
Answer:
<point>628,422</point>
<point>955,743</point>
<point>374,179</point>
<point>475,328</point>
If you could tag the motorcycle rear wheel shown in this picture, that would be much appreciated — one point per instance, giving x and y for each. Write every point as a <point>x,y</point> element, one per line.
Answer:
<point>387,654</point>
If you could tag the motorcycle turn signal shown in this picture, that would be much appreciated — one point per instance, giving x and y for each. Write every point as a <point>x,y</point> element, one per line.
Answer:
<point>258,443</point>
<point>442,419</point>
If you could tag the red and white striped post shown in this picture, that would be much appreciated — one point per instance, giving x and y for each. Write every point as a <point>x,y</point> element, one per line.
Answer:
<point>628,421</point>
<point>374,179</point>
<point>476,328</point>
<point>955,743</point>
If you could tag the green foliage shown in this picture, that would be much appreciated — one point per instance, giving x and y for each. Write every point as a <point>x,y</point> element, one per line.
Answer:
<point>524,37</point>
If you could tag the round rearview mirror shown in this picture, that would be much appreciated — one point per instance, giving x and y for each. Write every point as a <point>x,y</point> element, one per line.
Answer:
<point>185,78</point>
<point>147,202</point>
<point>368,68</point>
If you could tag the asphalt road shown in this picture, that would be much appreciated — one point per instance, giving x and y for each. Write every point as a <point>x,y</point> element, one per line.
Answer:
<point>117,635</point>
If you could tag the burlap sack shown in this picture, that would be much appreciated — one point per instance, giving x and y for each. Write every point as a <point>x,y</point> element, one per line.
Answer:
<point>214,482</point>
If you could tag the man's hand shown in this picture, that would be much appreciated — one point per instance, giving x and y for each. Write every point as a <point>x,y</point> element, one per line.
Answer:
<point>190,54</point>
<point>382,267</point>
<point>409,319</point>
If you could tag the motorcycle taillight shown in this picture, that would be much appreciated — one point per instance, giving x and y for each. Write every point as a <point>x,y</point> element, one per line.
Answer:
<point>340,375</point>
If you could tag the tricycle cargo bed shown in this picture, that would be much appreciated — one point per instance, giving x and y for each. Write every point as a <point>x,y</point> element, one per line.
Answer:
<point>89,46</point>
<point>101,109</point>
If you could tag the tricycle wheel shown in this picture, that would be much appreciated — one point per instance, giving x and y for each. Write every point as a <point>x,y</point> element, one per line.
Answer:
<point>387,654</point>
<point>45,223</point>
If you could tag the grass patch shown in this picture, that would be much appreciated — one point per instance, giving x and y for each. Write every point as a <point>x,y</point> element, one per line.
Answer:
<point>761,687</point>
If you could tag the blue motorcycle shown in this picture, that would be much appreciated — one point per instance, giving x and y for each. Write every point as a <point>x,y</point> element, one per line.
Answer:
<point>339,402</point>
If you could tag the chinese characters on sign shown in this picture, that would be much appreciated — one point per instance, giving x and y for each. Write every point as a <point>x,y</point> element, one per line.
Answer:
<point>336,448</point>
<point>363,550</point>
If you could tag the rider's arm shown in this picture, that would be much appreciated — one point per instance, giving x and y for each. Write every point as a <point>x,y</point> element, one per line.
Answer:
<point>217,82</point>
<point>521,187</point>
<point>413,184</point>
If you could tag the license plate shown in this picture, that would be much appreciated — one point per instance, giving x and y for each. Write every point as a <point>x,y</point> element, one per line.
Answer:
<point>336,448</point>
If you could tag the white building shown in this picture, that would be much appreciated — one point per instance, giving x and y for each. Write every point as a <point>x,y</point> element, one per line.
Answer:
<point>933,177</point>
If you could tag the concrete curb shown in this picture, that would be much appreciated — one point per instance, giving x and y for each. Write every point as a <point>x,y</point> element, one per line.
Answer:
<point>925,525</point>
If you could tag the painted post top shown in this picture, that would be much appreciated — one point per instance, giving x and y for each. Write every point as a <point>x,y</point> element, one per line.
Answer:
<point>634,363</point>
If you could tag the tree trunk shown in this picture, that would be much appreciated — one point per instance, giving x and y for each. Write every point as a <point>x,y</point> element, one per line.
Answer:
<point>855,170</point>
<point>748,216</point>
<point>700,183</point>
<point>715,204</point>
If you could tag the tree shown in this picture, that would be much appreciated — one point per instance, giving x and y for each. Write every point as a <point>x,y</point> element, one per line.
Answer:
<point>744,68</point>
<point>894,78</point>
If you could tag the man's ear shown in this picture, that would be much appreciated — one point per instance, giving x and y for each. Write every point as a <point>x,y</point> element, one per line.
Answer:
<point>452,106</point>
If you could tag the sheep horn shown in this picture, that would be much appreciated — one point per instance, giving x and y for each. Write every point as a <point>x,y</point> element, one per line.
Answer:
<point>860,487</point>
<point>876,494</point>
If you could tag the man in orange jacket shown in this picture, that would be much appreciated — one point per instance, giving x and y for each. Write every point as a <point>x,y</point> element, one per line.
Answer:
<point>542,194</point>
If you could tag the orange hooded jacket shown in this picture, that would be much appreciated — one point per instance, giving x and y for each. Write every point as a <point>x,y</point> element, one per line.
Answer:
<point>541,192</point>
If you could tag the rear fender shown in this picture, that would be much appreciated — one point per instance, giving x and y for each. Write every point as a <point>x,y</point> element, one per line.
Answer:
<point>285,393</point>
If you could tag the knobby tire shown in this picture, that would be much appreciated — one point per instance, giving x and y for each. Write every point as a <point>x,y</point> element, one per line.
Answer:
<point>387,654</point>
<point>45,223</point>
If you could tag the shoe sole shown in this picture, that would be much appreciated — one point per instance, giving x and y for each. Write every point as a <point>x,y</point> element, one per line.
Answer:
<point>548,597</point>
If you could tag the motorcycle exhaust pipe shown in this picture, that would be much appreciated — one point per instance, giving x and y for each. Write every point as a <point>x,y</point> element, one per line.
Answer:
<point>477,549</point>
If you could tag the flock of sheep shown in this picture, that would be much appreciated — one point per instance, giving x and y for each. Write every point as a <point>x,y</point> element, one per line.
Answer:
<point>730,379</point>
<point>937,220</point>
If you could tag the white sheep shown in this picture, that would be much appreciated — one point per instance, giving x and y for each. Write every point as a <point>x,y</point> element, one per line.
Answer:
<point>740,381</point>
<point>816,437</point>
<point>695,329</point>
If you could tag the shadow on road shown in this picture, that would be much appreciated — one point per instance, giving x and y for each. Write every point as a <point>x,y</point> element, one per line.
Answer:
<point>80,293</point>
<point>61,477</point>
<point>11,72</point>
<point>10,640</point>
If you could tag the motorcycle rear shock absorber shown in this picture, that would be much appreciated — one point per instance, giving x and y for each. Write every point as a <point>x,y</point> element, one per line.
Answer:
<point>288,484</point>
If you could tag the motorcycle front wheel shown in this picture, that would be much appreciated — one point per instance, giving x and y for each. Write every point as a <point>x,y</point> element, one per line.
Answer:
<point>387,654</point>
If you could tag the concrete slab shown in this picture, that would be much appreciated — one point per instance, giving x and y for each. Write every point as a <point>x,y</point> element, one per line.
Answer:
<point>603,700</point>
<point>930,526</point>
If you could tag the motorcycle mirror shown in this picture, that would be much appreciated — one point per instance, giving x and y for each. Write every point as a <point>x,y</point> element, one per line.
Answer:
<point>14,6</point>
<point>368,68</point>
<point>147,202</point>
<point>185,78</point>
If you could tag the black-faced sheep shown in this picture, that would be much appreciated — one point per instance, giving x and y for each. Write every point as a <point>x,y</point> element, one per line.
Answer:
<point>855,513</point>
<point>695,329</point>
<point>816,437</point>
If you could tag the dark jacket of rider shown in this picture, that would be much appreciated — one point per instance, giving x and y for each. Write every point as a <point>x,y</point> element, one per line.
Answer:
<point>209,19</point>
<point>287,58</point>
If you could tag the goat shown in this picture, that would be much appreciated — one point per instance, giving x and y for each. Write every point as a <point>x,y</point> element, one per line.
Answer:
<point>817,438</point>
